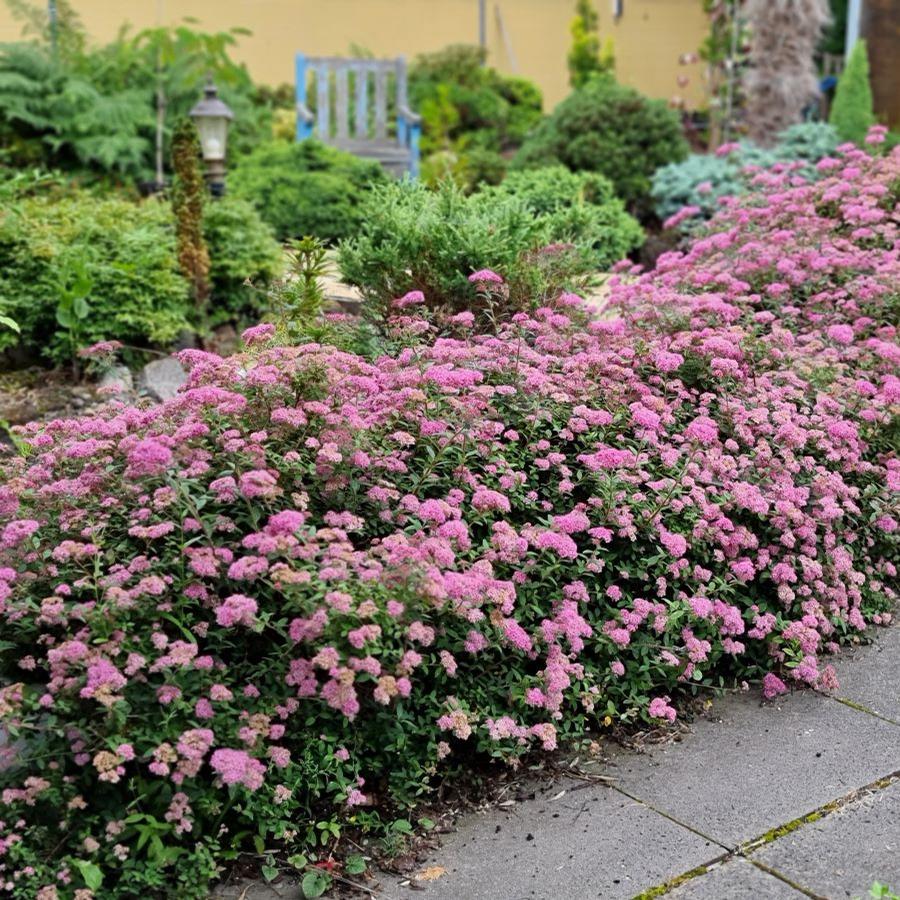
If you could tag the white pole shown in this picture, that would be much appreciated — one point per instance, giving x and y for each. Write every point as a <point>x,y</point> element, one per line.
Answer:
<point>854,10</point>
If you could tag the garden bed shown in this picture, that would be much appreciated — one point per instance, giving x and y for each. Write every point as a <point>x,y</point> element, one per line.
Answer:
<point>290,600</point>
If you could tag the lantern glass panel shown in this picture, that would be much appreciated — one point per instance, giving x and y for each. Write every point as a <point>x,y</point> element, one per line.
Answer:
<point>213,131</point>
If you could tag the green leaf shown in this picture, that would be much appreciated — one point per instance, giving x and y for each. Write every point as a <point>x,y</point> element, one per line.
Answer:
<point>298,861</point>
<point>426,823</point>
<point>401,826</point>
<point>12,324</point>
<point>90,872</point>
<point>315,884</point>
<point>270,873</point>
<point>355,865</point>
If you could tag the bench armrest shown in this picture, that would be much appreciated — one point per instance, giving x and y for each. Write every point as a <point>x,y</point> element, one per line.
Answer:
<point>411,117</point>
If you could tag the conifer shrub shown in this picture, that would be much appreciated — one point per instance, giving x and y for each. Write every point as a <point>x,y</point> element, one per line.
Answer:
<point>610,129</point>
<point>702,180</point>
<point>543,231</point>
<point>852,110</point>
<point>306,188</point>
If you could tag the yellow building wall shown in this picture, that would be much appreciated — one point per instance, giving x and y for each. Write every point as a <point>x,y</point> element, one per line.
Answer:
<point>525,37</point>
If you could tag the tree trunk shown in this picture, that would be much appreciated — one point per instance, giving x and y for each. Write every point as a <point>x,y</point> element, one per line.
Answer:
<point>781,80</point>
<point>880,26</point>
<point>160,136</point>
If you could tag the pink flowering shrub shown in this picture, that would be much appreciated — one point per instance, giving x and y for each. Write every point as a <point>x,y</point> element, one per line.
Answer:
<point>312,581</point>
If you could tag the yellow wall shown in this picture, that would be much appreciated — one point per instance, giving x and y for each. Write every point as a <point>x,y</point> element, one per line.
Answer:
<point>649,36</point>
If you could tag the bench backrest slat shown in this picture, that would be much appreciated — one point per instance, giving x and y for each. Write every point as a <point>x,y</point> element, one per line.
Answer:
<point>341,108</point>
<point>380,104</point>
<point>322,101</point>
<point>362,101</point>
<point>332,76</point>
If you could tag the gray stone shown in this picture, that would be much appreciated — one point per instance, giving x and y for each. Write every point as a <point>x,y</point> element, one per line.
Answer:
<point>593,842</point>
<point>116,379</point>
<point>735,879</point>
<point>843,853</point>
<point>760,767</point>
<point>186,340</point>
<point>162,378</point>
<point>869,676</point>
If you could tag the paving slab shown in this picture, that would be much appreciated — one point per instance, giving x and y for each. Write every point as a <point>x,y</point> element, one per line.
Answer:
<point>843,853</point>
<point>737,880</point>
<point>869,676</point>
<point>286,889</point>
<point>761,766</point>
<point>591,843</point>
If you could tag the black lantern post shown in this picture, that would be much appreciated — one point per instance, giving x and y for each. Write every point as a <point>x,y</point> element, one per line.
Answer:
<point>211,116</point>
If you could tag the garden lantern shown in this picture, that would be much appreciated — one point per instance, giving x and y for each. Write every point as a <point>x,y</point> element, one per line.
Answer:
<point>211,116</point>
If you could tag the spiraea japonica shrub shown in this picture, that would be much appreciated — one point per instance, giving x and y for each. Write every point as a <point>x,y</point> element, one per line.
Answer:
<point>313,581</point>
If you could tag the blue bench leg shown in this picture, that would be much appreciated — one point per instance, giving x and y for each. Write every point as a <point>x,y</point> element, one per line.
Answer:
<point>415,132</point>
<point>304,128</point>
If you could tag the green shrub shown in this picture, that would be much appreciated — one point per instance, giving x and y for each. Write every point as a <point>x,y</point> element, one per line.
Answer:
<point>852,112</point>
<point>306,188</point>
<point>242,249</point>
<point>608,128</point>
<point>701,180</point>
<point>580,206</point>
<point>467,105</point>
<point>122,255</point>
<point>541,242</point>
<point>469,169</point>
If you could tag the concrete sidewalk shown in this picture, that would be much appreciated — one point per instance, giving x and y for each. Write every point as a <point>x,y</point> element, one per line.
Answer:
<point>799,798</point>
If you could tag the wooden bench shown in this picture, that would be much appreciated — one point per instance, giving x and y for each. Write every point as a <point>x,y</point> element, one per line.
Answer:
<point>366,131</point>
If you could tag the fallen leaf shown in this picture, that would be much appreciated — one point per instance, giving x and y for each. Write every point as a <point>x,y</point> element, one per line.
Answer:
<point>432,873</point>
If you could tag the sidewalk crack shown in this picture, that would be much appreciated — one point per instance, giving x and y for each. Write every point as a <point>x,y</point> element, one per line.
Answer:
<point>859,707</point>
<point>671,818</point>
<point>746,849</point>
<point>783,878</point>
<point>773,834</point>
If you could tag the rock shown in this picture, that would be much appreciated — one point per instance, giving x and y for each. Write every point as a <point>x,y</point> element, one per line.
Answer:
<point>116,380</point>
<point>186,340</point>
<point>223,340</point>
<point>162,378</point>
